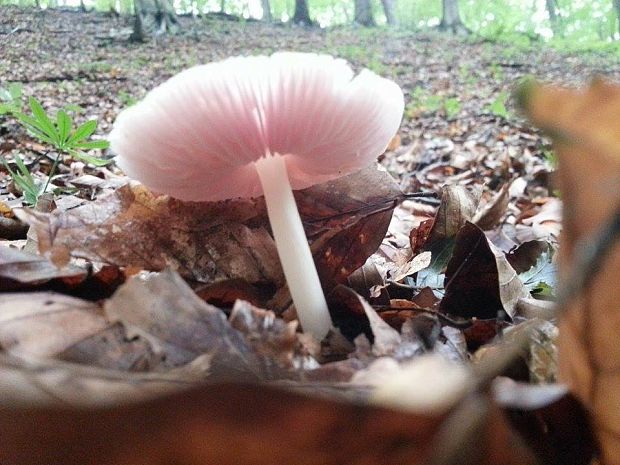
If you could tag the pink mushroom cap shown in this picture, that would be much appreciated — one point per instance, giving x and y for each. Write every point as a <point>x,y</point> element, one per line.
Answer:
<point>197,135</point>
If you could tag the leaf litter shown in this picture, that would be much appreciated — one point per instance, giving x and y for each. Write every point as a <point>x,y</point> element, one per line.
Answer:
<point>453,276</point>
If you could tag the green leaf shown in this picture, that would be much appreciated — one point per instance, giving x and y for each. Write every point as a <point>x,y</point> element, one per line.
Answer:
<point>15,90</point>
<point>24,180</point>
<point>83,132</point>
<point>433,275</point>
<point>543,271</point>
<point>498,106</point>
<point>5,95</point>
<point>71,107</point>
<point>90,159</point>
<point>92,144</point>
<point>31,125</point>
<point>42,121</point>
<point>22,167</point>
<point>63,123</point>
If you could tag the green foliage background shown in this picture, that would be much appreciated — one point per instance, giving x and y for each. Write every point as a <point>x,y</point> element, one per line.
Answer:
<point>582,22</point>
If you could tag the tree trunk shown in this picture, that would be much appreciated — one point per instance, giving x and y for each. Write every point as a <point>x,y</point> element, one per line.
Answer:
<point>363,13</point>
<point>451,19</point>
<point>554,18</point>
<point>155,17</point>
<point>302,14</point>
<point>388,9</point>
<point>617,8</point>
<point>222,5</point>
<point>266,11</point>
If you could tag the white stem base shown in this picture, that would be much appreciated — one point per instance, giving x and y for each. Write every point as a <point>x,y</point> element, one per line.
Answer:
<point>293,249</point>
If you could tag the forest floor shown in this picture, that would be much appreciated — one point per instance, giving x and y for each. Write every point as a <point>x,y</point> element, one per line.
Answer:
<point>461,128</point>
<point>459,111</point>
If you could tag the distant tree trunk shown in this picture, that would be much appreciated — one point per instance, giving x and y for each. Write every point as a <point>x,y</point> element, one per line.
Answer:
<point>266,11</point>
<point>222,5</point>
<point>363,13</point>
<point>302,14</point>
<point>617,8</point>
<point>451,19</point>
<point>388,9</point>
<point>154,17</point>
<point>554,18</point>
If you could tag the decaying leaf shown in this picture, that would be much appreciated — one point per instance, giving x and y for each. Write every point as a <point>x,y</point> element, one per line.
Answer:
<point>22,267</point>
<point>45,324</point>
<point>216,241</point>
<point>458,206</point>
<point>224,424</point>
<point>586,132</point>
<point>491,214</point>
<point>164,310</point>
<point>27,383</point>
<point>479,280</point>
<point>550,419</point>
<point>272,339</point>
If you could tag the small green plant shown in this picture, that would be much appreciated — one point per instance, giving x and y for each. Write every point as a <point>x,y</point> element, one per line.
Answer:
<point>422,102</point>
<point>10,98</point>
<point>59,132</point>
<point>452,107</point>
<point>498,106</point>
<point>127,99</point>
<point>551,157</point>
<point>97,67</point>
<point>375,65</point>
<point>466,75</point>
<point>24,180</point>
<point>496,72</point>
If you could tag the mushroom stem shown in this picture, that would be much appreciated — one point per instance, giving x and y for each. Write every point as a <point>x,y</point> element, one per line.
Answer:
<point>293,249</point>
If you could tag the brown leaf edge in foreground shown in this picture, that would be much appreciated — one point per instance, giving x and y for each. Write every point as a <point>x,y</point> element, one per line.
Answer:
<point>585,129</point>
<point>247,424</point>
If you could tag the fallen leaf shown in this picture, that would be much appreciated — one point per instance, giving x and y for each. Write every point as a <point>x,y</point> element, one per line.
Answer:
<point>45,324</point>
<point>479,280</point>
<point>550,419</point>
<point>584,127</point>
<point>458,206</point>
<point>492,213</point>
<point>180,327</point>
<point>272,340</point>
<point>209,242</point>
<point>226,424</point>
<point>17,266</point>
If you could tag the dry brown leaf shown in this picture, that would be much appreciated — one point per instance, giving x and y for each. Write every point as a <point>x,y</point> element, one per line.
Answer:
<point>272,340</point>
<point>222,424</point>
<point>52,325</point>
<point>164,310</point>
<point>492,213</point>
<point>479,280</point>
<point>26,383</point>
<point>45,324</point>
<point>586,131</point>
<point>550,419</point>
<point>216,241</point>
<point>386,339</point>
<point>22,267</point>
<point>458,206</point>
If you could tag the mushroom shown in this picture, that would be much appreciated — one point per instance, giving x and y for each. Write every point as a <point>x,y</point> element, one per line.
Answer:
<point>248,126</point>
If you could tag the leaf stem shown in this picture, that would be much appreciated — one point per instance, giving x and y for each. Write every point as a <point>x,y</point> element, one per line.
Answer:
<point>52,170</point>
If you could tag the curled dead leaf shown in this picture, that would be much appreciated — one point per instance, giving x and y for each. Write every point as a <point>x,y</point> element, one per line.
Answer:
<point>585,128</point>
